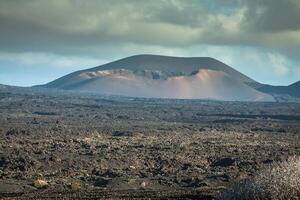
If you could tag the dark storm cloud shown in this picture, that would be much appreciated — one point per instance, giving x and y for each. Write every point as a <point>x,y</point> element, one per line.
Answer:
<point>94,31</point>
<point>71,25</point>
<point>273,16</point>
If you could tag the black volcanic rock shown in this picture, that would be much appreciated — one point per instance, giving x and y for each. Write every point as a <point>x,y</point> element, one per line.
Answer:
<point>224,162</point>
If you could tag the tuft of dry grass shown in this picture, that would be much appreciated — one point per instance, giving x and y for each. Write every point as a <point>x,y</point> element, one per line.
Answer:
<point>280,181</point>
<point>39,184</point>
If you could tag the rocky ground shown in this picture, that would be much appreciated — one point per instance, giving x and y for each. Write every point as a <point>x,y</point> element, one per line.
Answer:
<point>85,146</point>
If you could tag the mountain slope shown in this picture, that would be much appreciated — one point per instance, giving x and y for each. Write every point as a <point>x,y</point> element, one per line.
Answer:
<point>164,77</point>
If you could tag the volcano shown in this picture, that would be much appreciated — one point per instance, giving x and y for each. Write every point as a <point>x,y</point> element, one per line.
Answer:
<point>154,76</point>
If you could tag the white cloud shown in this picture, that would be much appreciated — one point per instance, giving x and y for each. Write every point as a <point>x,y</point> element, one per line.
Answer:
<point>279,64</point>
<point>36,60</point>
<point>27,69</point>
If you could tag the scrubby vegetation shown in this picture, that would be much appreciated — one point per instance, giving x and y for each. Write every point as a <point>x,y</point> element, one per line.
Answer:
<point>280,181</point>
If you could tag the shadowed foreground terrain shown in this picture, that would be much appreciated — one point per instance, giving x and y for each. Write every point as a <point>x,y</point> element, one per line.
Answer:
<point>91,147</point>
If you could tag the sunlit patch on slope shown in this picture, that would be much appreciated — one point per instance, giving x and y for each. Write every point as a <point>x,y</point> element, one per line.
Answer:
<point>115,74</point>
<point>201,84</point>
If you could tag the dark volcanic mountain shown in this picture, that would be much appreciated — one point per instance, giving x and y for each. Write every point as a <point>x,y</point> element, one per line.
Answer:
<point>164,77</point>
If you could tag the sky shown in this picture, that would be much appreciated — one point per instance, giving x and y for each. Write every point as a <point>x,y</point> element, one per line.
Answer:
<point>41,40</point>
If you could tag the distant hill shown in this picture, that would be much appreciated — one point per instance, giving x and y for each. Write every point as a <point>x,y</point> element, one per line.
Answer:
<point>164,77</point>
<point>292,90</point>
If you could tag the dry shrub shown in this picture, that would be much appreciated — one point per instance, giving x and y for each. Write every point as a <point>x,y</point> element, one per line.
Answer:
<point>280,181</point>
<point>40,184</point>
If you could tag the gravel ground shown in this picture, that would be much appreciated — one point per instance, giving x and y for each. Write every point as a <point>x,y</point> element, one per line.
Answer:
<point>86,146</point>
